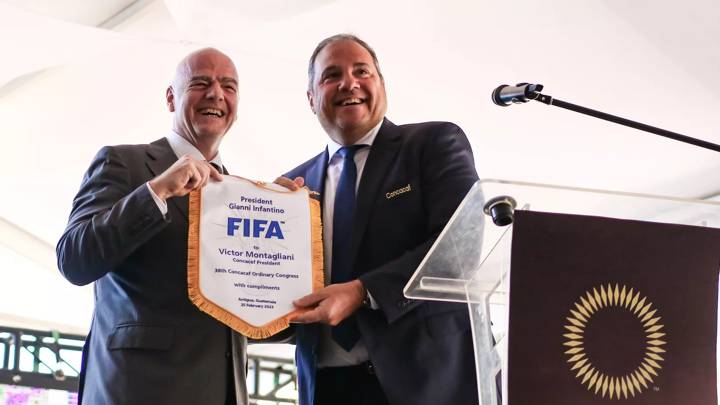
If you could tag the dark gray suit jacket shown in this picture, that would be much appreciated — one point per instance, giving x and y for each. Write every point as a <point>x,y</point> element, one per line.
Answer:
<point>148,343</point>
<point>422,350</point>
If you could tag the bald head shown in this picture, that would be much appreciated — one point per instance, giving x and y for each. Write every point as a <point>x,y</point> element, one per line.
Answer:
<point>203,98</point>
<point>184,69</point>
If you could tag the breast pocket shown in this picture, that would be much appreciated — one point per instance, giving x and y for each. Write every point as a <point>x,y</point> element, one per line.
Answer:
<point>402,198</point>
<point>400,191</point>
<point>398,217</point>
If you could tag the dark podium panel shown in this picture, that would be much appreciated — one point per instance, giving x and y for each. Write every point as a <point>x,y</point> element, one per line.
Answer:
<point>612,296</point>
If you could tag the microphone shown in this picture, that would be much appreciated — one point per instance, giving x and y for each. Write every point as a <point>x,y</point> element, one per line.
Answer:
<point>505,95</point>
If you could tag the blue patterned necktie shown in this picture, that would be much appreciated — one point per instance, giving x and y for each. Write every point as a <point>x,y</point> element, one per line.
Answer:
<point>346,334</point>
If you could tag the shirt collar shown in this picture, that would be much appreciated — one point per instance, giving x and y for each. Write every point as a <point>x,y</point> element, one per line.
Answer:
<point>182,146</point>
<point>367,139</point>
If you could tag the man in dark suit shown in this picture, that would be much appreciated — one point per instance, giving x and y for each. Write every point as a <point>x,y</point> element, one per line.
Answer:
<point>387,191</point>
<point>127,233</point>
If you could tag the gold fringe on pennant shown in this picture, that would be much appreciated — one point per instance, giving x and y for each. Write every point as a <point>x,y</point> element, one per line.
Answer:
<point>318,264</point>
<point>193,270</point>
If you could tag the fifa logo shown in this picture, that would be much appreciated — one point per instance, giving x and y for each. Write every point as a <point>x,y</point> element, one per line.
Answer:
<point>254,228</point>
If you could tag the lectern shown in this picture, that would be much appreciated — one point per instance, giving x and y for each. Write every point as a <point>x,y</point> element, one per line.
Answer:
<point>471,262</point>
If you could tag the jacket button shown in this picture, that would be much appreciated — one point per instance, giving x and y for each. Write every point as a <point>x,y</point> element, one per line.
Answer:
<point>228,354</point>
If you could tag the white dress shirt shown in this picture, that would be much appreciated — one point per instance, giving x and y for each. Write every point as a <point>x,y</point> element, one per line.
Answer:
<point>180,146</point>
<point>330,354</point>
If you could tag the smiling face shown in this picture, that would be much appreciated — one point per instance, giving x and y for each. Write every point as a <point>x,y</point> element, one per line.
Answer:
<point>347,92</point>
<point>203,98</point>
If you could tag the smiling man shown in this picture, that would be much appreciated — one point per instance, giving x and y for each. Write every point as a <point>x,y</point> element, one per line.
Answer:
<point>387,191</point>
<point>127,233</point>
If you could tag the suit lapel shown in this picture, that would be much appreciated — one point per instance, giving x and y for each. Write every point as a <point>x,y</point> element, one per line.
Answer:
<point>161,156</point>
<point>382,154</point>
<point>315,174</point>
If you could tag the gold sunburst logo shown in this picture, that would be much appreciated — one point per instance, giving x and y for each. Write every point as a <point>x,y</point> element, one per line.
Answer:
<point>639,376</point>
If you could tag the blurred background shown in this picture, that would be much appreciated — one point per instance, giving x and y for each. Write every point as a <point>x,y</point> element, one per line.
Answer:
<point>77,75</point>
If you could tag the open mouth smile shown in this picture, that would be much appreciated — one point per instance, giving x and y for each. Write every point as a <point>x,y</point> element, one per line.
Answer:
<point>349,101</point>
<point>214,112</point>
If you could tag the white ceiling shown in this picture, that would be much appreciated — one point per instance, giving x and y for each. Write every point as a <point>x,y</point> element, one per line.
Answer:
<point>68,87</point>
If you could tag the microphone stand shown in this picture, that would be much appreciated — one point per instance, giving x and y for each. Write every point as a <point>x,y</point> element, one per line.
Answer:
<point>549,100</point>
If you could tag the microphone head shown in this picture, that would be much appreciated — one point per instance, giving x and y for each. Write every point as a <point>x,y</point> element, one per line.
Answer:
<point>496,96</point>
<point>505,95</point>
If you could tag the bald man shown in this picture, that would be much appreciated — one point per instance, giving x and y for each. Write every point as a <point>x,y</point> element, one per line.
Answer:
<point>127,233</point>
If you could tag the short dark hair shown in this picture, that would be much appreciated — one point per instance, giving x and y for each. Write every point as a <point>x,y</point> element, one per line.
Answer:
<point>339,37</point>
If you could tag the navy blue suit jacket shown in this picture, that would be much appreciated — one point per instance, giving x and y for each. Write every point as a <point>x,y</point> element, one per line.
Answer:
<point>148,344</point>
<point>422,350</point>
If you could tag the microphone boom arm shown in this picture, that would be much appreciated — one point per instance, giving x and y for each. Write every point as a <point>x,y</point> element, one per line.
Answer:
<point>549,100</point>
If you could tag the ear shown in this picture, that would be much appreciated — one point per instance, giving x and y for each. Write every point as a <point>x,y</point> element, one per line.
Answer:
<point>170,99</point>
<point>311,100</point>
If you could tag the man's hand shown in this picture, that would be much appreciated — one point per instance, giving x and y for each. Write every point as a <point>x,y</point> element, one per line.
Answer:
<point>332,304</point>
<point>292,185</point>
<point>184,176</point>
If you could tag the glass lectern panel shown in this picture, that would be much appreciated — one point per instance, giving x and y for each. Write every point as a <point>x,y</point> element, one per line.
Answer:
<point>470,261</point>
